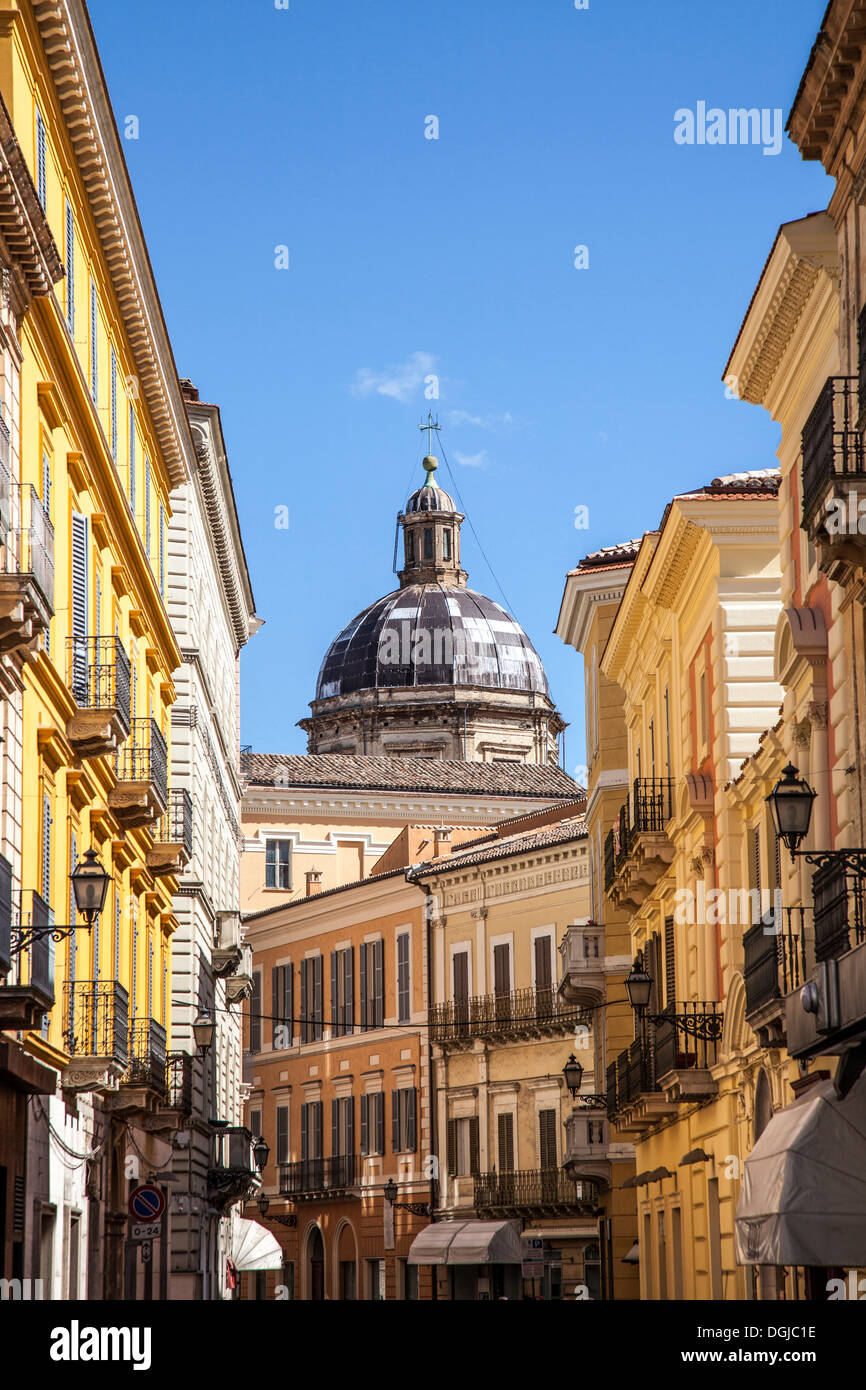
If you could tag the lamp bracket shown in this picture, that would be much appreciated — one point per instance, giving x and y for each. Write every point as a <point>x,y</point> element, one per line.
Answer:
<point>416,1208</point>
<point>706,1027</point>
<point>22,937</point>
<point>853,859</point>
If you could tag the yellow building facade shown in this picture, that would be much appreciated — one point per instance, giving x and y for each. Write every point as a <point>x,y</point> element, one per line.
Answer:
<point>95,438</point>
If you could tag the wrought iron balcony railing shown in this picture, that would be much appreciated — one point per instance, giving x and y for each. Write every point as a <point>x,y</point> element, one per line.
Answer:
<point>832,444</point>
<point>37,958</point>
<point>178,1082</point>
<point>5,480</point>
<point>651,805</point>
<point>320,1175</point>
<point>29,541</point>
<point>609,860</point>
<point>774,952</point>
<point>96,1020</point>
<point>5,916</point>
<point>839,898</point>
<point>144,757</point>
<point>686,1035</point>
<point>175,826</point>
<point>520,1013</point>
<point>100,675</point>
<point>147,1055</point>
<point>528,1190</point>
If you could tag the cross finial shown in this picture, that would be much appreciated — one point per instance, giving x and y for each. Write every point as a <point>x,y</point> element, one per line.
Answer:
<point>430,426</point>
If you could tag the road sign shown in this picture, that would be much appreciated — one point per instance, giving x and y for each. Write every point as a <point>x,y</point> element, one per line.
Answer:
<point>533,1257</point>
<point>146,1202</point>
<point>148,1231</point>
<point>146,1251</point>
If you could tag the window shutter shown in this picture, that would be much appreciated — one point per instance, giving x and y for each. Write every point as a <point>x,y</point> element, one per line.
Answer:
<point>40,160</point>
<point>270,863</point>
<point>70,269</point>
<point>305,995</point>
<point>318,1116</point>
<point>349,989</point>
<point>289,1002</point>
<point>113,405</point>
<point>132,460</point>
<point>403,1004</point>
<point>380,1122</point>
<point>395,1121</point>
<point>94,346</point>
<point>365,1124</point>
<point>162,549</point>
<point>501,972</point>
<point>349,1108</point>
<point>543,972</point>
<point>336,1024</point>
<point>460,967</point>
<point>147,504</point>
<point>275,1003</point>
<point>505,1127</point>
<point>282,1134</point>
<point>473,1144</point>
<point>452,1147</point>
<point>379,982</point>
<point>79,576</point>
<point>364,1008</point>
<point>335,1128</point>
<point>317,997</point>
<point>670,962</point>
<point>256,1013</point>
<point>547,1139</point>
<point>411,1119</point>
<point>46,848</point>
<point>305,1132</point>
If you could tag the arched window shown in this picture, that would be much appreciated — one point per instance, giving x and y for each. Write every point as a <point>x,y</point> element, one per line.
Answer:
<point>446,544</point>
<point>763,1104</point>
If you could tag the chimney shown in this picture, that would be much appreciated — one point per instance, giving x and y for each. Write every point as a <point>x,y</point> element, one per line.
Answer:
<point>314,882</point>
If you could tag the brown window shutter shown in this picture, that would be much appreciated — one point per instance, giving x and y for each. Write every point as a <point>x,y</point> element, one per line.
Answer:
<point>395,1121</point>
<point>452,1147</point>
<point>501,971</point>
<point>461,976</point>
<point>380,1122</point>
<point>411,1119</point>
<point>547,1139</point>
<point>473,1144</point>
<point>365,1013</point>
<point>543,963</point>
<point>505,1125</point>
<point>365,1124</point>
<point>670,962</point>
<point>336,1026</point>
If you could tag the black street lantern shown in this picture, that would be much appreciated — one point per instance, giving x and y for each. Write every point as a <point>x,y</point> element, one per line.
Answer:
<point>203,1029</point>
<point>790,804</point>
<point>89,886</point>
<point>260,1152</point>
<point>573,1073</point>
<point>391,1191</point>
<point>638,984</point>
<point>263,1203</point>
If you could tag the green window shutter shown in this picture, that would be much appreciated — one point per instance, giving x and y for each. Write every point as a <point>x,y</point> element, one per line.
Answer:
<point>403,999</point>
<point>318,1114</point>
<point>305,1132</point>
<point>282,1134</point>
<point>317,998</point>
<point>670,962</point>
<point>379,983</point>
<point>305,1002</point>
<point>380,1121</point>
<point>256,1013</point>
<point>395,1122</point>
<point>41,181</point>
<point>335,1129</point>
<point>349,1108</point>
<point>365,1124</point>
<point>411,1119</point>
<point>364,1010</point>
<point>348,989</point>
<point>336,1025</point>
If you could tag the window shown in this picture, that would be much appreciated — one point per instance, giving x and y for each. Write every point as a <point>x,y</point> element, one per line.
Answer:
<point>94,345</point>
<point>131,460</point>
<point>505,1141</point>
<point>113,405</point>
<point>342,1127</point>
<point>255,1123</point>
<point>40,159</point>
<point>311,1131</point>
<point>502,969</point>
<point>282,1134</point>
<point>543,950</point>
<point>408,1280</point>
<point>342,992</point>
<point>278,864</point>
<point>46,848</point>
<point>428,543</point>
<point>446,544</point>
<point>463,1146</point>
<point>372,984</point>
<point>410,547</point>
<point>147,504</point>
<point>348,1291</point>
<point>282,1006</point>
<point>403,993</point>
<point>162,549</point>
<point>311,999</point>
<point>70,269</point>
<point>376,1280</point>
<point>547,1139</point>
<point>373,1123</point>
<point>403,1120</point>
<point>256,1013</point>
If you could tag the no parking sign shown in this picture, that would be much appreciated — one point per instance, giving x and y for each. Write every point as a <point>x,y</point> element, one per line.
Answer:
<point>146,1202</point>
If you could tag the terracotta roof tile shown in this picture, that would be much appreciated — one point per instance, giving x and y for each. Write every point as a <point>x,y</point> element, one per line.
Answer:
<point>379,773</point>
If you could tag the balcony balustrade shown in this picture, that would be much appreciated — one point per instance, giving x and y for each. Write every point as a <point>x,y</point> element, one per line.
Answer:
<point>582,955</point>
<point>233,1175</point>
<point>670,1064</point>
<point>140,796</point>
<point>839,898</point>
<point>172,835</point>
<point>228,952</point>
<point>774,964</point>
<point>147,1056</point>
<point>834,477</point>
<point>539,1191</point>
<point>321,1177</point>
<point>587,1141</point>
<point>24,1002</point>
<point>95,1034</point>
<point>521,1013</point>
<point>100,679</point>
<point>26,573</point>
<point>178,1082</point>
<point>638,849</point>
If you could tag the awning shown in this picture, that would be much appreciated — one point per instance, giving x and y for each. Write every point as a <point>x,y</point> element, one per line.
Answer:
<point>252,1247</point>
<point>803,1198</point>
<point>633,1256</point>
<point>467,1243</point>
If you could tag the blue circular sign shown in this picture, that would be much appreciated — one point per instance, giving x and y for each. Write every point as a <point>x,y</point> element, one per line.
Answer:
<point>146,1203</point>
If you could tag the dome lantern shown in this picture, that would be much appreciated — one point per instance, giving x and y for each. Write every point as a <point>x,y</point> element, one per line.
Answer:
<point>431,531</point>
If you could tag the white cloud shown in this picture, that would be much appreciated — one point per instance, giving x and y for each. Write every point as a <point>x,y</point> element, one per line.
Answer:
<point>481,422</point>
<point>479,460</point>
<point>399,382</point>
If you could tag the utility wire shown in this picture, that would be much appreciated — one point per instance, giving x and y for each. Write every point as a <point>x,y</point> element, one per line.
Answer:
<point>472,528</point>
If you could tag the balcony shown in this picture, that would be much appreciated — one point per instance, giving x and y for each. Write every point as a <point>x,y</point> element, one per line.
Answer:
<point>172,835</point>
<point>638,849</point>
<point>828,1016</point>
<point>338,1176</point>
<point>839,899</point>
<point>234,1174</point>
<point>140,796</point>
<point>26,574</point>
<point>99,677</point>
<point>834,479</point>
<point>24,1004</point>
<point>240,985</point>
<point>228,953</point>
<point>582,954</point>
<point>774,955</point>
<point>520,1014</point>
<point>144,1080</point>
<point>587,1141</point>
<point>668,1067</point>
<point>95,1034</point>
<point>533,1192</point>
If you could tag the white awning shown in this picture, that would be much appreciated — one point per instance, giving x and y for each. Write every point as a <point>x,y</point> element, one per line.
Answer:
<point>253,1247</point>
<point>467,1243</point>
<point>803,1197</point>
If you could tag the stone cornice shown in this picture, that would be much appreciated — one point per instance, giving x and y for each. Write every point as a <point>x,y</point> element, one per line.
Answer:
<point>400,807</point>
<point>829,100</point>
<point>584,593</point>
<point>628,619</point>
<point>22,222</point>
<point>73,61</point>
<point>219,509</point>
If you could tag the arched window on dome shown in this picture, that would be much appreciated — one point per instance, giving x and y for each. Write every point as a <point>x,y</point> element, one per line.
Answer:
<point>410,547</point>
<point>446,543</point>
<point>428,542</point>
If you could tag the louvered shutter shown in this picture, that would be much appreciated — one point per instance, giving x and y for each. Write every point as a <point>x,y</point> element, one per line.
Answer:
<point>380,1122</point>
<point>547,1139</point>
<point>305,997</point>
<point>78,605</point>
<point>473,1144</point>
<point>411,1119</point>
<point>113,405</point>
<point>452,1147</point>
<point>336,1023</point>
<point>162,549</point>
<point>94,346</point>
<point>349,1109</point>
<point>305,1133</point>
<point>505,1127</point>
<point>335,1129</point>
<point>460,966</point>
<point>282,1134</point>
<point>543,963</point>
<point>395,1121</point>
<point>147,504</point>
<point>275,1004</point>
<point>403,1005</point>
<point>317,997</point>
<point>348,990</point>
<point>364,1006</point>
<point>132,460</point>
<point>318,1117</point>
<point>73,860</point>
<point>365,1124</point>
<point>70,269</point>
<point>501,970</point>
<point>41,181</point>
<point>670,962</point>
<point>46,848</point>
<point>379,983</point>
<point>256,1013</point>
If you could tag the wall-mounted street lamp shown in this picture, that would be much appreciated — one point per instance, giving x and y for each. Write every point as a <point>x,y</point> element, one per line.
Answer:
<point>263,1203</point>
<point>261,1150</point>
<point>639,983</point>
<point>203,1029</point>
<point>790,804</point>
<point>573,1073</point>
<point>89,887</point>
<point>391,1192</point>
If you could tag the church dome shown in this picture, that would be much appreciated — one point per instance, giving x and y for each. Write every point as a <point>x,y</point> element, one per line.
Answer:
<point>431,635</point>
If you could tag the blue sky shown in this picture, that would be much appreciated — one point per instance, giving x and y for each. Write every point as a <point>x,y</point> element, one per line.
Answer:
<point>559,387</point>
